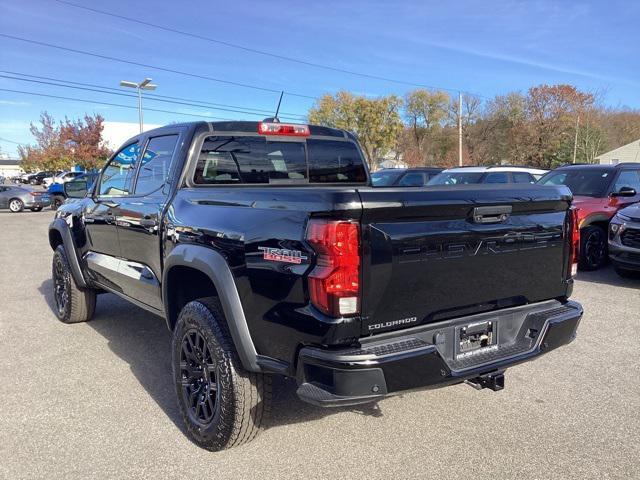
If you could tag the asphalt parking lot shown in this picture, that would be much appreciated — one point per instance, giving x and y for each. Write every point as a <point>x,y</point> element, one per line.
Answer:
<point>95,400</point>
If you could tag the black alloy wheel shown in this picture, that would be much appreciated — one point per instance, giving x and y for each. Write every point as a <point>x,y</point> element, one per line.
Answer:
<point>60,286</point>
<point>198,378</point>
<point>72,304</point>
<point>593,248</point>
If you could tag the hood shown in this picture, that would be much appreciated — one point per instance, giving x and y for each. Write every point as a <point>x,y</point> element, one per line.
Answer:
<point>632,211</point>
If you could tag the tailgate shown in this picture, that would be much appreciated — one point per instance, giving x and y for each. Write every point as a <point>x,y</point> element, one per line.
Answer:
<point>438,253</point>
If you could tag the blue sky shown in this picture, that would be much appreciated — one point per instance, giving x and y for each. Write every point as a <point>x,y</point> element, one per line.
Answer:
<point>484,47</point>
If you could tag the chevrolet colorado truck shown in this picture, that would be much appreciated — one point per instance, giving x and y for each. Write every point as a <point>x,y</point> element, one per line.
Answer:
<point>267,251</point>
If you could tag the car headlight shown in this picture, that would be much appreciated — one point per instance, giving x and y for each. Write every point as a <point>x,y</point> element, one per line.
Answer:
<point>616,226</point>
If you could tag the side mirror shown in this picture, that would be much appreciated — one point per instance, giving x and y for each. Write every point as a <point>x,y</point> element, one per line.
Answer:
<point>625,192</point>
<point>76,189</point>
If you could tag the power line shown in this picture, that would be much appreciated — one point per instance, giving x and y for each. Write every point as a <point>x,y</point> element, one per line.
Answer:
<point>240,109</point>
<point>95,102</point>
<point>154,67</point>
<point>261,52</point>
<point>122,94</point>
<point>10,141</point>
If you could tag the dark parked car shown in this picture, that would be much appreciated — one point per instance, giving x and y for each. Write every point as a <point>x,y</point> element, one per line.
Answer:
<point>17,199</point>
<point>268,252</point>
<point>38,178</point>
<point>404,177</point>
<point>494,174</point>
<point>624,241</point>
<point>599,191</point>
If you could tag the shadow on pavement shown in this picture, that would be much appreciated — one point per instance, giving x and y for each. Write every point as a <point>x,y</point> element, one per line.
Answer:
<point>608,276</point>
<point>143,341</point>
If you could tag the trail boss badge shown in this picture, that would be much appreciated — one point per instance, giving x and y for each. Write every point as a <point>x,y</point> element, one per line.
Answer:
<point>282,255</point>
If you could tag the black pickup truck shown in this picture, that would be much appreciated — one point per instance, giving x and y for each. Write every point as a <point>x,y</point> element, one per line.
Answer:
<point>267,251</point>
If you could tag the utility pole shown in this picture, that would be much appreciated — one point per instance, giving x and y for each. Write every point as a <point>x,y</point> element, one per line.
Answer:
<point>575,140</point>
<point>143,85</point>
<point>460,129</point>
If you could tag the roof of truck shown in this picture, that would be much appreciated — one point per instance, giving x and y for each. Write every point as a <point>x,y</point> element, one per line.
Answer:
<point>252,127</point>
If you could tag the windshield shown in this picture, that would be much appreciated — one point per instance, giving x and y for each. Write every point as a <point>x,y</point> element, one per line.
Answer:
<point>385,178</point>
<point>590,183</point>
<point>456,178</point>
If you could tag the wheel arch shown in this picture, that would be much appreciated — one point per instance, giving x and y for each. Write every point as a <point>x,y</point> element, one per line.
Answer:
<point>598,219</point>
<point>185,270</point>
<point>60,234</point>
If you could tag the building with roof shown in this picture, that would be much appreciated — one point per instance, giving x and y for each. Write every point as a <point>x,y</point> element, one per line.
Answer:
<point>114,134</point>
<point>10,167</point>
<point>626,153</point>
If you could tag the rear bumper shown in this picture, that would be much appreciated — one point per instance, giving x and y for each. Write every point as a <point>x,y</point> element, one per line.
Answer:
<point>424,357</point>
<point>37,203</point>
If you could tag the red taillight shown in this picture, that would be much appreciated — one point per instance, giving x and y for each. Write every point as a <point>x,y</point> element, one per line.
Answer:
<point>290,129</point>
<point>334,283</point>
<point>574,232</point>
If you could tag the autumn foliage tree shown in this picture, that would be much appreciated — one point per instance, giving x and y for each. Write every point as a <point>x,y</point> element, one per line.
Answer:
<point>544,127</point>
<point>375,121</point>
<point>62,145</point>
<point>426,114</point>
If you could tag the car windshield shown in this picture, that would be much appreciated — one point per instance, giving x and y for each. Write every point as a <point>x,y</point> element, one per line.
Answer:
<point>384,178</point>
<point>456,178</point>
<point>590,183</point>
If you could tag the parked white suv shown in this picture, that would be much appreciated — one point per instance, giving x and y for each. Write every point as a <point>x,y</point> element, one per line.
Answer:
<point>497,174</point>
<point>63,177</point>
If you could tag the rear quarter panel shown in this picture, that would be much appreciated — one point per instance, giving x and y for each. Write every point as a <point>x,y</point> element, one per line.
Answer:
<point>236,222</point>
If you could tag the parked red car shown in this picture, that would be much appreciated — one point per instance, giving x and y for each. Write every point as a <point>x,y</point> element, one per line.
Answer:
<point>599,192</point>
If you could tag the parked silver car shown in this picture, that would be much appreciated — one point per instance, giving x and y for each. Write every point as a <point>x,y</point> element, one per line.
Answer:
<point>17,199</point>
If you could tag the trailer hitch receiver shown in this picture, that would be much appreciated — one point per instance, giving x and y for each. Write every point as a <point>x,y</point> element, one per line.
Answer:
<point>493,381</point>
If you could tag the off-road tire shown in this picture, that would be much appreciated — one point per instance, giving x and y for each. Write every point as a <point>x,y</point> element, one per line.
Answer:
<point>79,304</point>
<point>242,398</point>
<point>16,205</point>
<point>593,248</point>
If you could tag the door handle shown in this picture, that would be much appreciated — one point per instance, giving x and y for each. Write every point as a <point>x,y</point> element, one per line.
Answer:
<point>491,214</point>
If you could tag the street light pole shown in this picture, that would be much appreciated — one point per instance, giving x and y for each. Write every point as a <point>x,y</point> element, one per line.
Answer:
<point>143,85</point>
<point>140,118</point>
<point>460,128</point>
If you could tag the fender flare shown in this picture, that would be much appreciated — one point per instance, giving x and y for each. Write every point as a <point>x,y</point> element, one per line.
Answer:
<point>62,228</point>
<point>213,264</point>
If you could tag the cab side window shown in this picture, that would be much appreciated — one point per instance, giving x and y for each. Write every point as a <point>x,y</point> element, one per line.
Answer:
<point>522,177</point>
<point>413,179</point>
<point>155,164</point>
<point>497,177</point>
<point>117,177</point>
<point>628,178</point>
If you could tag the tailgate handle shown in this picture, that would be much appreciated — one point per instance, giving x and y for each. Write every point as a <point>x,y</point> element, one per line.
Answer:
<point>491,214</point>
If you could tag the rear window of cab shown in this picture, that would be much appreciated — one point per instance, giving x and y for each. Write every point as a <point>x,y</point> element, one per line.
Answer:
<point>242,160</point>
